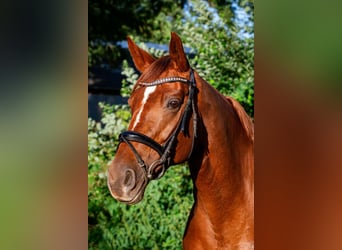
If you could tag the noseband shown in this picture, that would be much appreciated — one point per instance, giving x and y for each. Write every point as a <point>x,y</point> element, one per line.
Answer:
<point>166,150</point>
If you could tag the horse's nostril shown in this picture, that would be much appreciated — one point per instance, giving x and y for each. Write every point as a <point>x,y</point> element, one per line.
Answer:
<point>129,180</point>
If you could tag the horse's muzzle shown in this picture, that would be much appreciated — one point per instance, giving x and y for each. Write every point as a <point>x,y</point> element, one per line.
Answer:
<point>127,187</point>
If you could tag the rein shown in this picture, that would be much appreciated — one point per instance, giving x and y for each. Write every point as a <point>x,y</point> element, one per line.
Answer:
<point>165,151</point>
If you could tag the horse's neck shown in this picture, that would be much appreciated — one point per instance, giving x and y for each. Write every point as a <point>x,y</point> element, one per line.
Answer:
<point>223,169</point>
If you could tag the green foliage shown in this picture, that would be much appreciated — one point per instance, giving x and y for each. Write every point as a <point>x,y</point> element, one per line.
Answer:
<point>222,58</point>
<point>112,20</point>
<point>100,52</point>
<point>227,9</point>
<point>131,78</point>
<point>158,222</point>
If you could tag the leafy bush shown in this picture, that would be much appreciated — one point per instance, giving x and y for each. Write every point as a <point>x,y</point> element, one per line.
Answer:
<point>158,222</point>
<point>218,53</point>
<point>222,58</point>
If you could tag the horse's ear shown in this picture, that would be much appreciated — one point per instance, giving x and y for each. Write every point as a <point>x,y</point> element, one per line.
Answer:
<point>177,53</point>
<point>140,57</point>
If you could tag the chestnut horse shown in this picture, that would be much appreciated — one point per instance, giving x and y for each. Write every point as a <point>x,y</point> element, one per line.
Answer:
<point>177,117</point>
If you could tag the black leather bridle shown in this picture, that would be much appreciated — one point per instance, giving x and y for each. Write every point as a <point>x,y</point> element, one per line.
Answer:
<point>166,150</point>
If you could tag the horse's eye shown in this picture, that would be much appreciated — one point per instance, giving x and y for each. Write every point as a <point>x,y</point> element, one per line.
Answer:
<point>173,103</point>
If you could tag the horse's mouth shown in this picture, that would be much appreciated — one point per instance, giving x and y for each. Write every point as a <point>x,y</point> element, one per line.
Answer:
<point>136,199</point>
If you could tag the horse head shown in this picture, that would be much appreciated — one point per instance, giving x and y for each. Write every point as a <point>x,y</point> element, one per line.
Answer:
<point>163,125</point>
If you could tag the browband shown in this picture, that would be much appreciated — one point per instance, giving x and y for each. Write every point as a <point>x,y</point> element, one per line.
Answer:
<point>165,80</point>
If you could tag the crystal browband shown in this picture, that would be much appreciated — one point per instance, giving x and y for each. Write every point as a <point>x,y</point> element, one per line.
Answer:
<point>164,80</point>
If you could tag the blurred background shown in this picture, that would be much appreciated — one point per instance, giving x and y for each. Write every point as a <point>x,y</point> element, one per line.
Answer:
<point>45,90</point>
<point>298,125</point>
<point>43,112</point>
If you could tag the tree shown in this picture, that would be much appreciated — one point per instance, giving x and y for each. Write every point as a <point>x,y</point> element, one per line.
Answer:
<point>112,20</point>
<point>223,56</point>
<point>219,52</point>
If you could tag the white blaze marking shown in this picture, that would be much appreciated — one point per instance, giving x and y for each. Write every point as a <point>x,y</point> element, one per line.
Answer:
<point>147,93</point>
